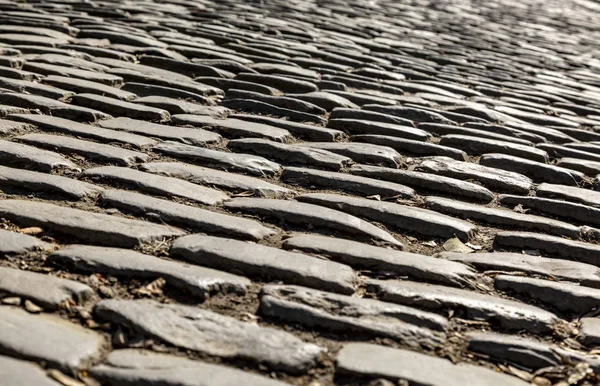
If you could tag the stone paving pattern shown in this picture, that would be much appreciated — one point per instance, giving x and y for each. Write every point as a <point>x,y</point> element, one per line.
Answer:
<point>299,192</point>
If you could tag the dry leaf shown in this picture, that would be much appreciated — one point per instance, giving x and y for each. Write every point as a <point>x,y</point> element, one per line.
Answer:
<point>455,245</point>
<point>31,231</point>
<point>153,288</point>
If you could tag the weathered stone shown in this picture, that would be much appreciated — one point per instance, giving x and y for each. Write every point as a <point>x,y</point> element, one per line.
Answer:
<point>91,227</point>
<point>590,331</point>
<point>553,245</point>
<point>325,100</point>
<point>537,171</point>
<point>160,185</point>
<point>252,106</point>
<point>279,101</point>
<point>290,154</point>
<point>341,113</point>
<point>398,216</point>
<point>86,86</point>
<point>345,182</point>
<point>558,151</point>
<point>17,243</point>
<point>61,125</point>
<point>16,372</point>
<point>212,177</point>
<point>52,107</point>
<point>16,154</point>
<point>182,67</point>
<point>584,274</point>
<point>502,217</point>
<point>440,129</point>
<point>10,127</point>
<point>48,339</point>
<point>46,290</point>
<point>413,114</point>
<point>569,193</point>
<point>187,216</point>
<point>477,146</point>
<point>265,262</point>
<point>363,256</point>
<point>87,149</point>
<point>590,168</point>
<point>437,183</point>
<point>344,313</point>
<point>418,148</point>
<point>177,106</point>
<point>302,213</point>
<point>23,86</point>
<point>228,84</point>
<point>180,82</point>
<point>246,163</point>
<point>587,214</point>
<point>354,126</point>
<point>564,297</point>
<point>93,76</point>
<point>367,153</point>
<point>120,108</point>
<point>234,127</point>
<point>208,332</point>
<point>522,352</point>
<point>144,90</point>
<point>489,177</point>
<point>369,360</point>
<point>201,282</point>
<point>130,367</point>
<point>285,84</point>
<point>310,132</point>
<point>508,314</point>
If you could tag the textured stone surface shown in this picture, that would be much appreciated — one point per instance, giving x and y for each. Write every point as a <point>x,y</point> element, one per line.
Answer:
<point>508,314</point>
<point>267,262</point>
<point>369,360</point>
<point>211,333</point>
<point>48,339</point>
<point>234,127</point>
<point>19,155</point>
<point>199,281</point>
<point>129,367</point>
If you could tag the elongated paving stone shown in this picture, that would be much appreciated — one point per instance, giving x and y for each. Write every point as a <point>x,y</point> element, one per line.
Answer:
<point>537,171</point>
<point>565,297</point>
<point>409,146</point>
<point>345,182</point>
<point>573,271</point>
<point>87,149</point>
<point>290,154</point>
<point>213,177</point>
<point>552,245</point>
<point>45,290</point>
<point>199,281</point>
<point>302,213</point>
<point>17,372</point>
<point>160,185</point>
<point>354,126</point>
<point>19,155</point>
<point>47,183</point>
<point>589,215</point>
<point>61,125</point>
<point>211,333</point>
<point>186,216</point>
<point>49,339</point>
<point>447,185</point>
<point>502,217</point>
<point>373,361</point>
<point>190,136</point>
<point>246,163</point>
<point>505,313</point>
<point>95,228</point>
<point>234,127</point>
<point>313,308</point>
<point>364,256</point>
<point>489,177</point>
<point>361,152</point>
<point>569,193</point>
<point>17,243</point>
<point>408,218</point>
<point>310,132</point>
<point>137,367</point>
<point>118,107</point>
<point>265,262</point>
<point>476,146</point>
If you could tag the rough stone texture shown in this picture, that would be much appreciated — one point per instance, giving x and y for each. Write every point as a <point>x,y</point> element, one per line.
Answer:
<point>334,312</point>
<point>590,331</point>
<point>413,147</point>
<point>17,372</point>
<point>404,217</point>
<point>508,314</point>
<point>361,152</point>
<point>120,108</point>
<point>45,290</point>
<point>212,177</point>
<point>208,332</point>
<point>569,193</point>
<point>16,154</point>
<point>48,339</point>
<point>201,282</point>
<point>266,262</point>
<point>17,243</point>
<point>584,274</point>
<point>302,213</point>
<point>359,255</point>
<point>164,186</point>
<point>132,367</point>
<point>369,360</point>
<point>234,127</point>
<point>95,228</point>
